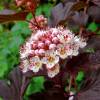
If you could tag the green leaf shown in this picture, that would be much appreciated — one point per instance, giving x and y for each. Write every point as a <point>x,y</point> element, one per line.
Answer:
<point>90,50</point>
<point>29,16</point>
<point>92,27</point>
<point>3,67</point>
<point>36,85</point>
<point>19,25</point>
<point>21,28</point>
<point>80,76</point>
<point>44,9</point>
<point>98,32</point>
<point>1,28</point>
<point>1,98</point>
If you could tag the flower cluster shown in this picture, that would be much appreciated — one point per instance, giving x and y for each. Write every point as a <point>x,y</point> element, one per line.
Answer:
<point>47,47</point>
<point>38,22</point>
<point>29,4</point>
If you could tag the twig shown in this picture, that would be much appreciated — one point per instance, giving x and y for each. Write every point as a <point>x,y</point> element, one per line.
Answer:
<point>36,21</point>
<point>70,83</point>
<point>85,11</point>
<point>22,89</point>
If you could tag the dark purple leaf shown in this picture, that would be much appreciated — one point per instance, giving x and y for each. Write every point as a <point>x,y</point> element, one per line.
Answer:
<point>18,83</point>
<point>7,12</point>
<point>60,13</point>
<point>94,13</point>
<point>13,17</point>
<point>14,90</point>
<point>88,61</point>
<point>16,78</point>
<point>80,19</point>
<point>5,91</point>
<point>97,2</point>
<point>93,42</point>
<point>92,90</point>
<point>65,1</point>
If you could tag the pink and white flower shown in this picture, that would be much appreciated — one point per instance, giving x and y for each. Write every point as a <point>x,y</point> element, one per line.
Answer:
<point>47,46</point>
<point>35,64</point>
<point>50,59</point>
<point>38,22</point>
<point>24,65</point>
<point>53,71</point>
<point>61,51</point>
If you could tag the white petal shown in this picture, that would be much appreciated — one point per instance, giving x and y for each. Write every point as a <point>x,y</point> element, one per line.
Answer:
<point>75,53</point>
<point>72,97</point>
<point>54,71</point>
<point>36,64</point>
<point>62,52</point>
<point>69,52</point>
<point>25,66</point>
<point>83,44</point>
<point>50,64</point>
<point>35,69</point>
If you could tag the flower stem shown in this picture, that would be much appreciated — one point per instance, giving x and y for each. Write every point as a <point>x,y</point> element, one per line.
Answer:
<point>70,83</point>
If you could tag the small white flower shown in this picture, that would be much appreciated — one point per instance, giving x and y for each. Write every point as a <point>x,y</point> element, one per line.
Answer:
<point>61,38</point>
<point>80,41</point>
<point>54,31</point>
<point>25,50</point>
<point>54,71</point>
<point>65,36</point>
<point>69,52</point>
<point>83,44</point>
<point>23,55</point>
<point>38,35</point>
<point>50,59</point>
<point>61,51</point>
<point>75,48</point>
<point>35,64</point>
<point>75,53</point>
<point>25,66</point>
<point>71,97</point>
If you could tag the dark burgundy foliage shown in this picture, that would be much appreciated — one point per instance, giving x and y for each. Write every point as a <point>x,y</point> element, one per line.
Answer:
<point>71,13</point>
<point>12,90</point>
<point>91,89</point>
<point>77,12</point>
<point>97,2</point>
<point>12,16</point>
<point>94,13</point>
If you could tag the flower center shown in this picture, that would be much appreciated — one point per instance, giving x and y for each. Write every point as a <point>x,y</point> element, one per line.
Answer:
<point>62,51</point>
<point>50,59</point>
<point>37,64</point>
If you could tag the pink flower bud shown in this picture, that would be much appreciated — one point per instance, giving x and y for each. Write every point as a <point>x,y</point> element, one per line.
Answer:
<point>55,40</point>
<point>40,45</point>
<point>32,53</point>
<point>47,42</point>
<point>41,51</point>
<point>52,46</point>
<point>36,52</point>
<point>42,39</point>
<point>34,46</point>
